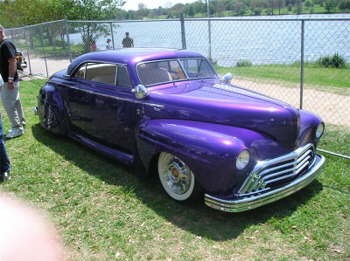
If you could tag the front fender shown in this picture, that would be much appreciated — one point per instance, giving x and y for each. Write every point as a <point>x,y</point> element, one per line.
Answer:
<point>210,150</point>
<point>51,110</point>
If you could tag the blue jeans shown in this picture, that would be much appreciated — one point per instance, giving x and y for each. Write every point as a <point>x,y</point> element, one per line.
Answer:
<point>4,160</point>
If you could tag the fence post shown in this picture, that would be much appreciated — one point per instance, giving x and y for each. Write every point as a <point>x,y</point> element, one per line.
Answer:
<point>183,32</point>
<point>68,39</point>
<point>29,64</point>
<point>46,67</point>
<point>302,64</point>
<point>209,31</point>
<point>111,25</point>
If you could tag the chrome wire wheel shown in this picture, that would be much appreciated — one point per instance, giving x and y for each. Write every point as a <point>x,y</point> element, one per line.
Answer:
<point>175,176</point>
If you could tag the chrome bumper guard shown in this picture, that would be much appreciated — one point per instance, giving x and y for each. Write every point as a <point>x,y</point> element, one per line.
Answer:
<point>240,205</point>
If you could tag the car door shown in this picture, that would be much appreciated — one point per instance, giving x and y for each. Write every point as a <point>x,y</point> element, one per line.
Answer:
<point>78,99</point>
<point>102,106</point>
<point>117,117</point>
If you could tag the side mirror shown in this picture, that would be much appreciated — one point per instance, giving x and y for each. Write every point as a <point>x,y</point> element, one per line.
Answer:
<point>227,78</point>
<point>66,76</point>
<point>140,91</point>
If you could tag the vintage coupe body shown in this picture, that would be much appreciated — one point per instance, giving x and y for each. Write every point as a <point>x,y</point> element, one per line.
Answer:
<point>167,112</point>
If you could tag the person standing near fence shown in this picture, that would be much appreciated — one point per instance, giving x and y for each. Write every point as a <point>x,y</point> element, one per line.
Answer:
<point>109,45</point>
<point>10,89</point>
<point>127,41</point>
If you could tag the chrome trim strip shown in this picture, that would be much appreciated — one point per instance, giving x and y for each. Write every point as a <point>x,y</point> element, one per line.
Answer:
<point>281,178</point>
<point>304,155</point>
<point>262,165</point>
<point>114,97</point>
<point>240,205</point>
<point>265,172</point>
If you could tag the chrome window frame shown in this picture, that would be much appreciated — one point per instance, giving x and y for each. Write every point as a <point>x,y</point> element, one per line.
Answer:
<point>198,58</point>
<point>182,68</point>
<point>96,61</point>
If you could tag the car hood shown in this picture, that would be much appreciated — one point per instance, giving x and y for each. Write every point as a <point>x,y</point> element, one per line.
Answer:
<point>212,101</point>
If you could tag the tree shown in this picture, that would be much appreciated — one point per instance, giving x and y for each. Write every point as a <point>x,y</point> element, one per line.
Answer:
<point>25,12</point>
<point>308,3</point>
<point>344,4</point>
<point>94,10</point>
<point>330,5</point>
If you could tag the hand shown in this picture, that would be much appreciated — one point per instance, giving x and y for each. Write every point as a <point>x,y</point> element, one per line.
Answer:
<point>11,84</point>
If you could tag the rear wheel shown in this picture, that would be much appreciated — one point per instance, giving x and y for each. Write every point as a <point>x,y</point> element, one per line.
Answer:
<point>177,179</point>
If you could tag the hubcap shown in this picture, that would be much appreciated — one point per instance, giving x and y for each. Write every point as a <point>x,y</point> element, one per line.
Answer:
<point>175,176</point>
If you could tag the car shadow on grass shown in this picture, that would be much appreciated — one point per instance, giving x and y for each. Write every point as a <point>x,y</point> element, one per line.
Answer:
<point>195,218</point>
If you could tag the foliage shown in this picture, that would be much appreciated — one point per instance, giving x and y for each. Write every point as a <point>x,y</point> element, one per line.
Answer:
<point>241,7</point>
<point>36,11</point>
<point>334,61</point>
<point>94,10</point>
<point>25,12</point>
<point>344,4</point>
<point>243,63</point>
<point>330,5</point>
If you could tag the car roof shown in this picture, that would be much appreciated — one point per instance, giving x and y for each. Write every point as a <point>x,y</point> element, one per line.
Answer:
<point>131,56</point>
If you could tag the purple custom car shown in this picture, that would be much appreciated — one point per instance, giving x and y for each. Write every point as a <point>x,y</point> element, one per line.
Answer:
<point>167,112</point>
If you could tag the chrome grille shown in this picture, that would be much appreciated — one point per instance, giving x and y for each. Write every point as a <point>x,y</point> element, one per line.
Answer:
<point>273,173</point>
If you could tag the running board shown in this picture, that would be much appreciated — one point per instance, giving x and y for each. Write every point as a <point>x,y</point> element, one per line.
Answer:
<point>126,158</point>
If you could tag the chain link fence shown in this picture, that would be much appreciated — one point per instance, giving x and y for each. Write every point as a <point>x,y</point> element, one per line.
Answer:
<point>291,59</point>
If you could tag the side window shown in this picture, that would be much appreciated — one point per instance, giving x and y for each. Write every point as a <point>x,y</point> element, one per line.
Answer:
<point>191,67</point>
<point>80,73</point>
<point>197,68</point>
<point>101,72</point>
<point>123,79</point>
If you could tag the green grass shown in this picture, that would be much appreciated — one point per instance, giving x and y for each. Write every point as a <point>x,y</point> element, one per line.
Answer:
<point>313,75</point>
<point>104,212</point>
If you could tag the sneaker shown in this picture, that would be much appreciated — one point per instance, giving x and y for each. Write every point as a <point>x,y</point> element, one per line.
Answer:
<point>13,133</point>
<point>5,176</point>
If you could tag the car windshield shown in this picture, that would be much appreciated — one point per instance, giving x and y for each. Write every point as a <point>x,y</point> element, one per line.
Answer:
<point>164,71</point>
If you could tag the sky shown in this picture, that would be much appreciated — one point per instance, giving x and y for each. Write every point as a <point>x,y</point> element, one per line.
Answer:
<point>133,4</point>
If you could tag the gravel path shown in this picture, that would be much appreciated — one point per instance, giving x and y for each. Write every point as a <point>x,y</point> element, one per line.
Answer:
<point>332,108</point>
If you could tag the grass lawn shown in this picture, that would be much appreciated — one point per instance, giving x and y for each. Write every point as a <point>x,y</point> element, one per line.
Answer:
<point>323,78</point>
<point>104,212</point>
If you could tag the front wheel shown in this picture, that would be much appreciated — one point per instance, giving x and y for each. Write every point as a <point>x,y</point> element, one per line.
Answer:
<point>52,121</point>
<point>177,179</point>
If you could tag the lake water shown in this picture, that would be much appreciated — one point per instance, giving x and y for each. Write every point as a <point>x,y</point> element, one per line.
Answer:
<point>261,42</point>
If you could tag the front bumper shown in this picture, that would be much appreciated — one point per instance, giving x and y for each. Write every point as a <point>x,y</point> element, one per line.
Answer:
<point>240,205</point>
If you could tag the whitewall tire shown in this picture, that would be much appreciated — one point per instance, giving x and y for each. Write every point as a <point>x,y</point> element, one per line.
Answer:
<point>176,178</point>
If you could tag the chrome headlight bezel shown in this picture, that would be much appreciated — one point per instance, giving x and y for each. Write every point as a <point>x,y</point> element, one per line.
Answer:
<point>242,159</point>
<point>319,130</point>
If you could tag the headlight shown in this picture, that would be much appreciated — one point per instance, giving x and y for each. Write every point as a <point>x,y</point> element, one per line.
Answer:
<point>320,130</point>
<point>242,160</point>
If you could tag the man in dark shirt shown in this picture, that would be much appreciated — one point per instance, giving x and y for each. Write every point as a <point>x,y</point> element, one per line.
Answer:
<point>10,89</point>
<point>127,41</point>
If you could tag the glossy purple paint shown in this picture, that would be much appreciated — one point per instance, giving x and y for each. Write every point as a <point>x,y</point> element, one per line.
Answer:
<point>204,122</point>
